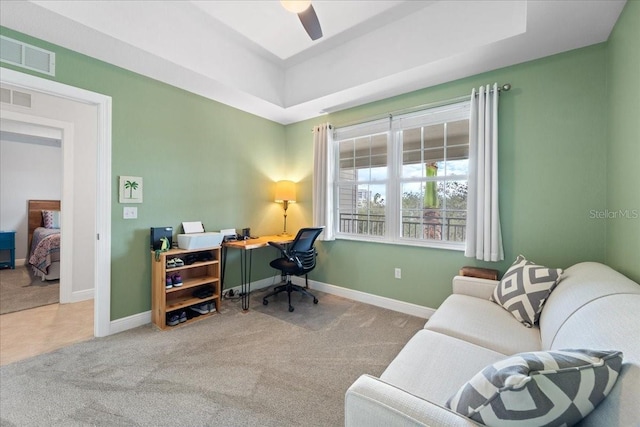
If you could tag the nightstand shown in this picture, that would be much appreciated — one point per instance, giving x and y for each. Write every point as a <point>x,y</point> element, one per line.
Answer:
<point>8,245</point>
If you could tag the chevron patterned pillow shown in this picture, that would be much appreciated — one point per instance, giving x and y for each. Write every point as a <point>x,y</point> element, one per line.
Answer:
<point>524,288</point>
<point>550,388</point>
<point>51,219</point>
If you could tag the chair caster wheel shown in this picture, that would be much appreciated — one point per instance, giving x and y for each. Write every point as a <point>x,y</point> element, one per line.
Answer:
<point>265,302</point>
<point>315,300</point>
<point>290,309</point>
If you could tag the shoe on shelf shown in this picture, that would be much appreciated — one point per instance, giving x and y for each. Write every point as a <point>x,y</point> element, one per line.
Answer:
<point>183,317</point>
<point>203,292</point>
<point>173,319</point>
<point>200,308</point>
<point>211,306</point>
<point>178,262</point>
<point>169,283</point>
<point>171,263</point>
<point>177,280</point>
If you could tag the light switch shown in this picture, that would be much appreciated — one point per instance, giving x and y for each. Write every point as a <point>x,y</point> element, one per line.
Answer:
<point>130,212</point>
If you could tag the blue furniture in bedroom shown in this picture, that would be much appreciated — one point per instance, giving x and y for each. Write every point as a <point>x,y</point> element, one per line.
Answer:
<point>8,244</point>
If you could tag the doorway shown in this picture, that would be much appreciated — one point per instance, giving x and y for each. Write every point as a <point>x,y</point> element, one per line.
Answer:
<point>31,163</point>
<point>102,204</point>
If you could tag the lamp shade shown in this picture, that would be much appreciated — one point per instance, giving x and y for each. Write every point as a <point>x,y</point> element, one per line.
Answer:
<point>285,191</point>
<point>295,6</point>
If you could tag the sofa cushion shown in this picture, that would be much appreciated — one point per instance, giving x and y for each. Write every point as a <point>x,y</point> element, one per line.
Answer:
<point>433,366</point>
<point>581,284</point>
<point>539,388</point>
<point>524,288</point>
<point>612,321</point>
<point>484,323</point>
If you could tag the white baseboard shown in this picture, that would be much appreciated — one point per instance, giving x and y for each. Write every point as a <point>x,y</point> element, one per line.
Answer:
<point>129,322</point>
<point>84,295</point>
<point>258,284</point>
<point>378,301</point>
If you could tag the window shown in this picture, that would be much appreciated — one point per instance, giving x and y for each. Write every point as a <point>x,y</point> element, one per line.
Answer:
<point>404,179</point>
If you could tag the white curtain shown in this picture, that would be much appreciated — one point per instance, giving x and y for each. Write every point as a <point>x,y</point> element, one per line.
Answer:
<point>484,238</point>
<point>323,160</point>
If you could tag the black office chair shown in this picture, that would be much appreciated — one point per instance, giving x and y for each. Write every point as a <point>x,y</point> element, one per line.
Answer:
<point>298,259</point>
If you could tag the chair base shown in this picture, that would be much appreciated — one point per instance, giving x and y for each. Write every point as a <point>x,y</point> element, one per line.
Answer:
<point>288,287</point>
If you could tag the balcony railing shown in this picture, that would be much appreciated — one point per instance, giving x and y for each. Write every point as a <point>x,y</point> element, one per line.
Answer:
<point>450,229</point>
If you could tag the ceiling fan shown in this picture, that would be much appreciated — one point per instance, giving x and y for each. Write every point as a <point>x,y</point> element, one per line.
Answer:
<point>307,15</point>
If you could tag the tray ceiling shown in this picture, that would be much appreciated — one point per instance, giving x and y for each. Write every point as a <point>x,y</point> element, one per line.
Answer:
<point>255,56</point>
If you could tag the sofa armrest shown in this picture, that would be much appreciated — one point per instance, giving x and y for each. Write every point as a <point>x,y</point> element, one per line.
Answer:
<point>473,286</point>
<point>371,402</point>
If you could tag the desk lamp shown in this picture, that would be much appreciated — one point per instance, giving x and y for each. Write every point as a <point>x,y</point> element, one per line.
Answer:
<point>285,194</point>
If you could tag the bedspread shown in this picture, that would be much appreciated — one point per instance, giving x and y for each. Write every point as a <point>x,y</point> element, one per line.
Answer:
<point>44,244</point>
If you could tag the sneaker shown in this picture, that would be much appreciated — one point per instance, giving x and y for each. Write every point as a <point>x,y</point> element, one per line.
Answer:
<point>200,308</point>
<point>203,292</point>
<point>211,306</point>
<point>171,263</point>
<point>173,319</point>
<point>178,262</point>
<point>183,317</point>
<point>169,283</point>
<point>177,280</point>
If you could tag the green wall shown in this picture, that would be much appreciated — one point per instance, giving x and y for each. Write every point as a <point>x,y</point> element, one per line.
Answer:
<point>552,159</point>
<point>623,148</point>
<point>200,160</point>
<point>567,148</point>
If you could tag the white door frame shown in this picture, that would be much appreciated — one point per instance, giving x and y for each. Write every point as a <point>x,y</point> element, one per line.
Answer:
<point>102,272</point>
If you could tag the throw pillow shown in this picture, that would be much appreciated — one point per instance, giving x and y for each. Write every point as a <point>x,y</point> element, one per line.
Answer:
<point>539,388</point>
<point>51,219</point>
<point>524,288</point>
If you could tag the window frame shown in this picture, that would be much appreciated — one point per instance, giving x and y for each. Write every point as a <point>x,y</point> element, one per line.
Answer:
<point>393,127</point>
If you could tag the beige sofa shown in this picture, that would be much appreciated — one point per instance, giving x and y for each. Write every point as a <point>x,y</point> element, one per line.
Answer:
<point>593,307</point>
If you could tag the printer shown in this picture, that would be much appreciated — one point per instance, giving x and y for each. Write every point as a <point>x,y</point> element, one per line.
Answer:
<point>194,237</point>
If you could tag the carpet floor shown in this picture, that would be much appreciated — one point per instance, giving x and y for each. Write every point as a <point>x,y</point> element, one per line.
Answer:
<point>263,367</point>
<point>20,290</point>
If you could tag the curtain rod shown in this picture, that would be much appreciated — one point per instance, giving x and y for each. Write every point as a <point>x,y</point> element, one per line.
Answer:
<point>502,88</point>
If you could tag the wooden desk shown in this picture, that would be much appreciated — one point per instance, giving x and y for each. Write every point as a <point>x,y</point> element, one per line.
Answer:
<point>247,247</point>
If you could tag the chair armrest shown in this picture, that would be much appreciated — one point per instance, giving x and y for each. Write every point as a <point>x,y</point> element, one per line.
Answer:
<point>372,402</point>
<point>280,247</point>
<point>473,286</point>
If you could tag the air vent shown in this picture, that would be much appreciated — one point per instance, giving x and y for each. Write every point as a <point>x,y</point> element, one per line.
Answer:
<point>21,99</point>
<point>27,56</point>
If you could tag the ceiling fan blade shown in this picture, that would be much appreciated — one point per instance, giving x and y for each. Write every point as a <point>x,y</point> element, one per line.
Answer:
<point>311,23</point>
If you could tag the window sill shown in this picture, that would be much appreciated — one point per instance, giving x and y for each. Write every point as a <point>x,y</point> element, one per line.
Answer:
<point>404,242</point>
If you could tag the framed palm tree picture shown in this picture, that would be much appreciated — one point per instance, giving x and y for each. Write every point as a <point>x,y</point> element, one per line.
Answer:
<point>130,189</point>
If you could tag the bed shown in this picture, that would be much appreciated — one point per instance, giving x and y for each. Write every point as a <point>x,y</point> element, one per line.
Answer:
<point>44,243</point>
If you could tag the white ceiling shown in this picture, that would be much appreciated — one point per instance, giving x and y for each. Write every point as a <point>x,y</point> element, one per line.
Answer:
<point>255,56</point>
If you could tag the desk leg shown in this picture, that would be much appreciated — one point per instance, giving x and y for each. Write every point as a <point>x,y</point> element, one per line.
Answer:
<point>224,268</point>
<point>245,273</point>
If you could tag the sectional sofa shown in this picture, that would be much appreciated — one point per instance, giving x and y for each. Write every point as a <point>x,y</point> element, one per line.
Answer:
<point>592,307</point>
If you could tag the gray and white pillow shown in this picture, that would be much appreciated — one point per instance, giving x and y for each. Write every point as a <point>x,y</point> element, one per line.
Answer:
<point>539,388</point>
<point>524,288</point>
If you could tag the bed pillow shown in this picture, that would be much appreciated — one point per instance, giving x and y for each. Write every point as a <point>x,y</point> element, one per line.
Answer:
<point>524,288</point>
<point>51,219</point>
<point>539,388</point>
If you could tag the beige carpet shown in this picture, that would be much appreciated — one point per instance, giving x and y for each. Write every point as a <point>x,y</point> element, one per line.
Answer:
<point>232,369</point>
<point>20,290</point>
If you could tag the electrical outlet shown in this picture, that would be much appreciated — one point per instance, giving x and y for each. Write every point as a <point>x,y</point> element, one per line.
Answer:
<point>398,273</point>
